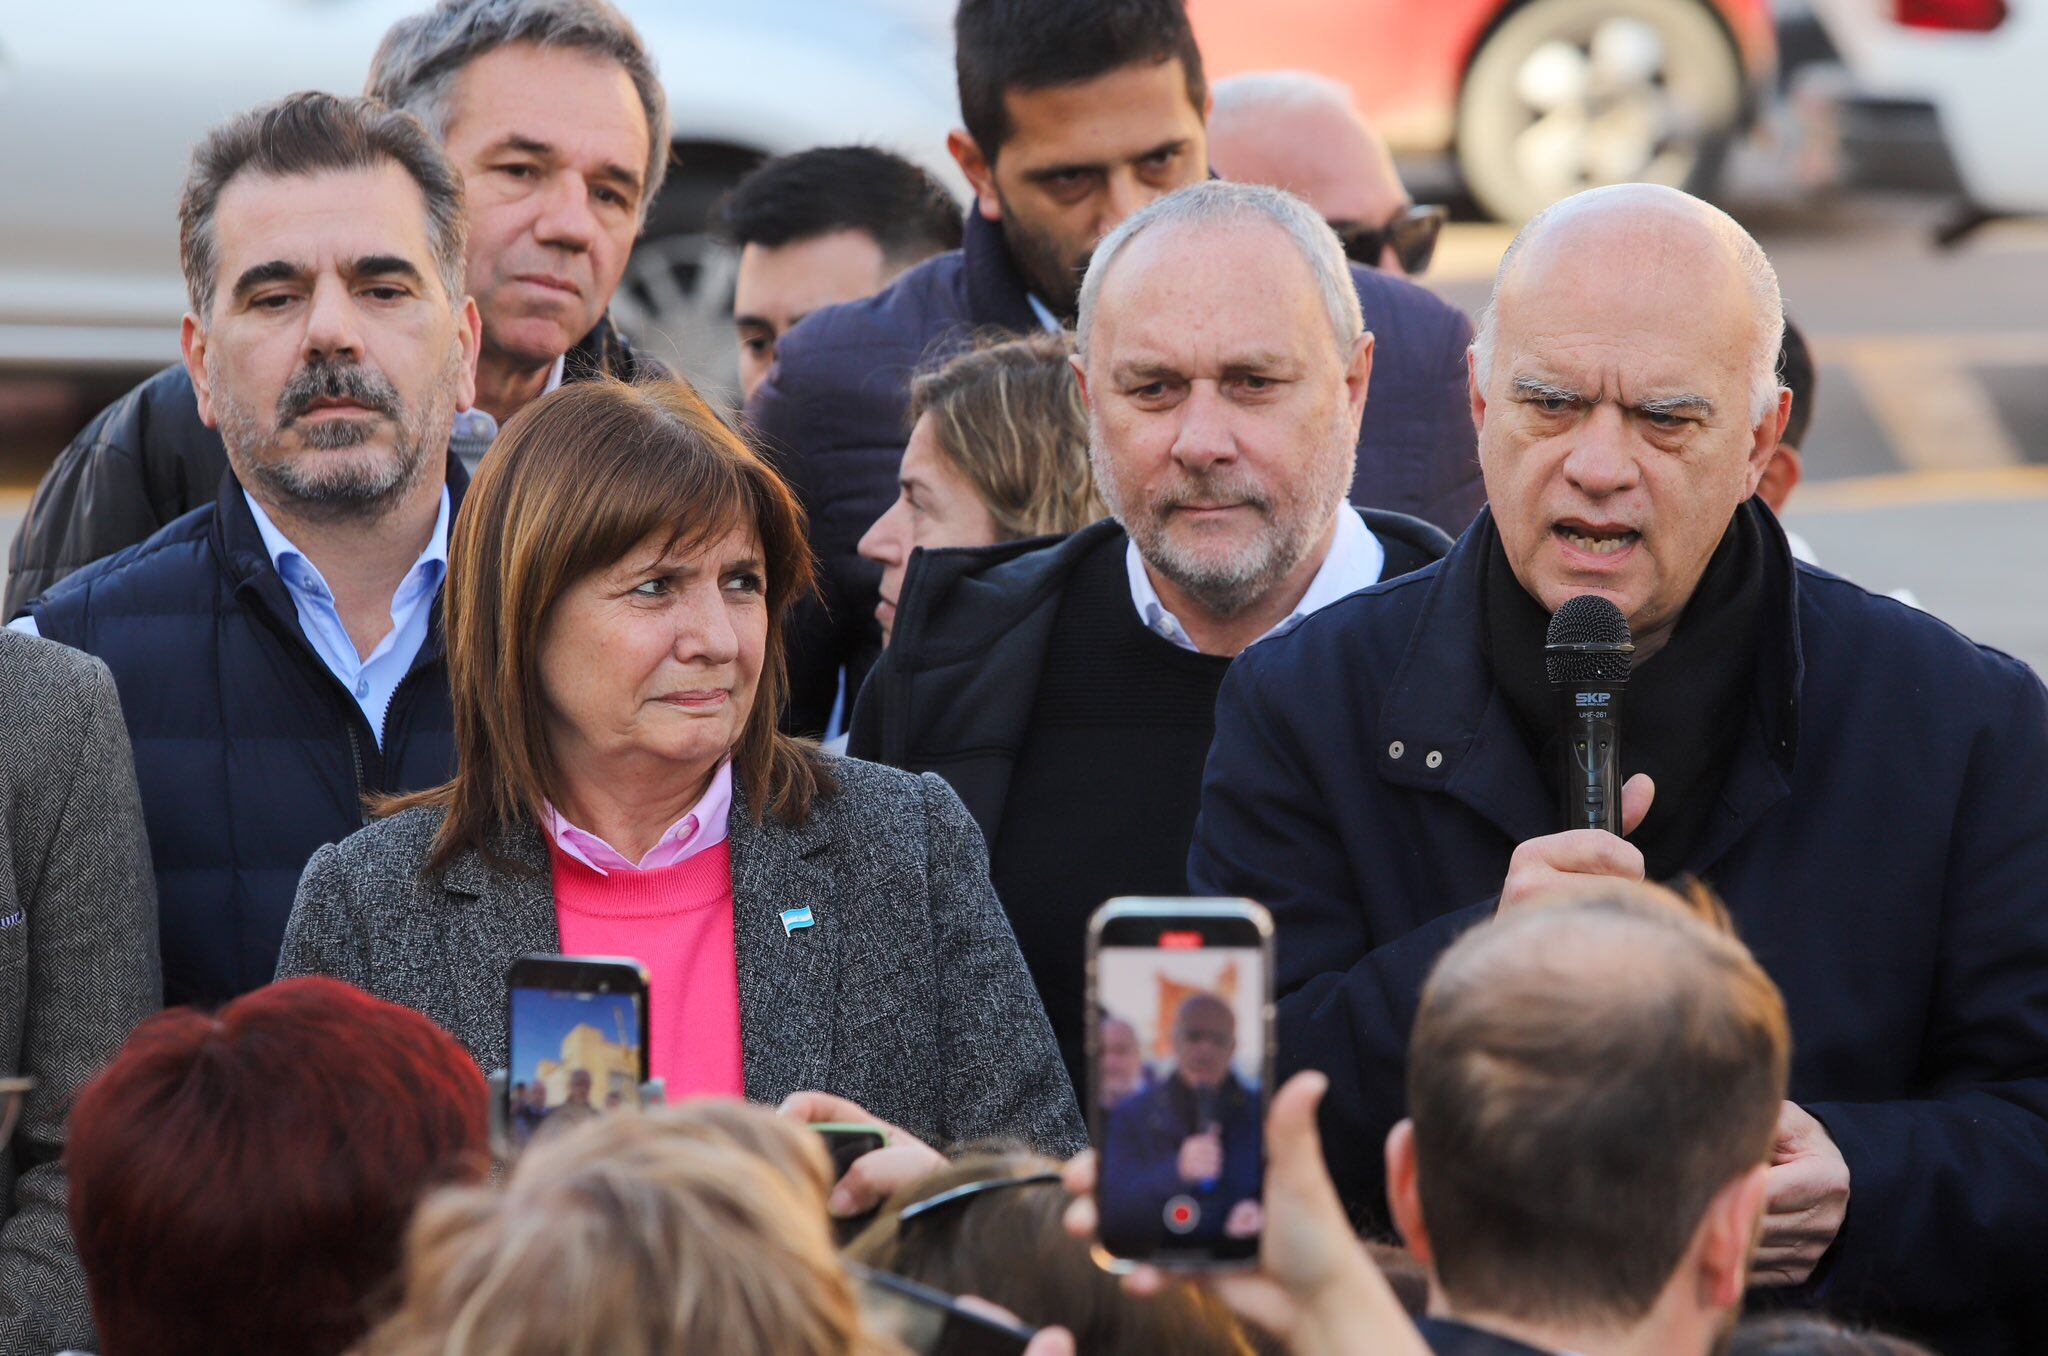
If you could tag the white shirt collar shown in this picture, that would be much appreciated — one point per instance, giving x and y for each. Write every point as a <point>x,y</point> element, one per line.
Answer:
<point>1355,561</point>
<point>301,575</point>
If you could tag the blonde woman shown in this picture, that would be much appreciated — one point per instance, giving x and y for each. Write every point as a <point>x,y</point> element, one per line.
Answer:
<point>640,1235</point>
<point>998,452</point>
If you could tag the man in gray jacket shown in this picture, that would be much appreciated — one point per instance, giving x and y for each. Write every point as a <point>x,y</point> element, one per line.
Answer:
<point>78,956</point>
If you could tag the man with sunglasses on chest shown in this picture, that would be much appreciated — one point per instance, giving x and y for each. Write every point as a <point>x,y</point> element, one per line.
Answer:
<point>1077,114</point>
<point>1304,133</point>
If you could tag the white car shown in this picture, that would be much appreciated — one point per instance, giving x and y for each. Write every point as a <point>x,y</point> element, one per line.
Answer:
<point>101,102</point>
<point>1974,66</point>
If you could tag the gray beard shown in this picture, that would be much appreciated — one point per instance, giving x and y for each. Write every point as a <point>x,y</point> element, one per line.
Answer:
<point>356,491</point>
<point>1227,588</point>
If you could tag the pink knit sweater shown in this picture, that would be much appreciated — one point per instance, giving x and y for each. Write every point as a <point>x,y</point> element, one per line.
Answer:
<point>677,921</point>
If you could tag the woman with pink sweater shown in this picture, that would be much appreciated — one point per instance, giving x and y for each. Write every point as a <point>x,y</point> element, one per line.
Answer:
<point>617,584</point>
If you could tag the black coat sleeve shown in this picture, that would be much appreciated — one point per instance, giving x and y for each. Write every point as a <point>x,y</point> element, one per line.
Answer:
<point>141,462</point>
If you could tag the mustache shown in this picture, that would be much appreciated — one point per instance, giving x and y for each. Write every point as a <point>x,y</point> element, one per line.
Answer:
<point>337,381</point>
<point>1207,491</point>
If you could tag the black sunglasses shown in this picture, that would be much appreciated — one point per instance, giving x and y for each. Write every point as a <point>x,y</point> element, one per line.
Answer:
<point>1411,233</point>
<point>960,1193</point>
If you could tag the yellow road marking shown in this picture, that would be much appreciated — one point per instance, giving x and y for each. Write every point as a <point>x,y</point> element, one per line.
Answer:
<point>1904,489</point>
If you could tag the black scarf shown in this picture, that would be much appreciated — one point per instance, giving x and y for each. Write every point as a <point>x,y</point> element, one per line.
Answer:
<point>1686,705</point>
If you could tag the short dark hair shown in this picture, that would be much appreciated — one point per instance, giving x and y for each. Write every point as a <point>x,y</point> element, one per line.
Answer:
<point>310,133</point>
<point>1796,374</point>
<point>844,188</point>
<point>1574,1116</point>
<point>1813,1335</point>
<point>1001,45</point>
<point>241,1181</point>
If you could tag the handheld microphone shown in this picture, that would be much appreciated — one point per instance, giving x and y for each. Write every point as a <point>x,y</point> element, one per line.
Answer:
<point>1206,1123</point>
<point>1586,657</point>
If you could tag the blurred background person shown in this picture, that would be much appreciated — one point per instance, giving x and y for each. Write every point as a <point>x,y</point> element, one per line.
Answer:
<point>1593,1089</point>
<point>1121,1066</point>
<point>1304,133</point>
<point>1077,113</point>
<point>989,1225</point>
<point>279,649</point>
<point>618,588</point>
<point>998,452</point>
<point>77,949</point>
<point>553,114</point>
<point>1193,1133</point>
<point>822,227</point>
<point>626,1238</point>
<point>1068,691</point>
<point>241,1181</point>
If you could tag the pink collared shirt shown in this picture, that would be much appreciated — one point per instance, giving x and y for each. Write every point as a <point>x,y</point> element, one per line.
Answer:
<point>673,912</point>
<point>703,827</point>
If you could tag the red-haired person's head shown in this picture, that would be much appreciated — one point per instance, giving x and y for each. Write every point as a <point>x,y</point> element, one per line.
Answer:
<point>241,1181</point>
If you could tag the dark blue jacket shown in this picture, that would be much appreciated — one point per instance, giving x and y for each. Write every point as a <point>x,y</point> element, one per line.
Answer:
<point>834,413</point>
<point>1882,844</point>
<point>1142,1137</point>
<point>250,753</point>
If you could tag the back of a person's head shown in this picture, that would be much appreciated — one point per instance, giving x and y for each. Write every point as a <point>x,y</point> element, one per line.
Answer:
<point>241,1181</point>
<point>1586,1074</point>
<point>829,189</point>
<point>1008,415</point>
<point>1813,1335</point>
<point>630,1235</point>
<point>1028,45</point>
<point>1009,1246</point>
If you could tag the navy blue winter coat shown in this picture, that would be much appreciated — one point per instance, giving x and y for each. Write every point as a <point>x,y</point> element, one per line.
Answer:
<point>834,413</point>
<point>1882,843</point>
<point>250,753</point>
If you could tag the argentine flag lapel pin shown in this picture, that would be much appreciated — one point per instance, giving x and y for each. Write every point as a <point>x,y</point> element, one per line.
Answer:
<point>792,919</point>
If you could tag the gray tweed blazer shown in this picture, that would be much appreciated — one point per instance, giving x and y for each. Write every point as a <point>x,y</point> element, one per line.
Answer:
<point>78,954</point>
<point>907,994</point>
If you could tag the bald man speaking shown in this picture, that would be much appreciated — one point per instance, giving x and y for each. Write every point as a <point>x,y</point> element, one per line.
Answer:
<point>1867,789</point>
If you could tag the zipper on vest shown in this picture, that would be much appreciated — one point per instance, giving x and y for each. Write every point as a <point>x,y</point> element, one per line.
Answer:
<point>355,757</point>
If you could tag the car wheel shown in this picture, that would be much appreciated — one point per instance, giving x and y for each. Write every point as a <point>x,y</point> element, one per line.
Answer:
<point>676,297</point>
<point>1569,94</point>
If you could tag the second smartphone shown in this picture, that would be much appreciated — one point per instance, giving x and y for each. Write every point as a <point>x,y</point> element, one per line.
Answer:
<point>1180,1063</point>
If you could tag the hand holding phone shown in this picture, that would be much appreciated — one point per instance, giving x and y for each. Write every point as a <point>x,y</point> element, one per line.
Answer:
<point>872,1177</point>
<point>1180,1064</point>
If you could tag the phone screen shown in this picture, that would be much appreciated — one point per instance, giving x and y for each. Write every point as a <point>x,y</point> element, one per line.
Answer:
<point>575,1054</point>
<point>1178,1086</point>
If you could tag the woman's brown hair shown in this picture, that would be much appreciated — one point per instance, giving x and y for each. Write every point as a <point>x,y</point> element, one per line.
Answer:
<point>1010,1247</point>
<point>575,481</point>
<point>1008,415</point>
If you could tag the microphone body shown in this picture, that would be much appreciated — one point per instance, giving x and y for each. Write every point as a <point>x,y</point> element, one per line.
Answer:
<point>1586,655</point>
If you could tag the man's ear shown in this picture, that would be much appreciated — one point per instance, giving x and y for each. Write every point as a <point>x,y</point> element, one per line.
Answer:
<point>1474,392</point>
<point>192,344</point>
<point>1358,373</point>
<point>1727,1236</point>
<point>1081,379</point>
<point>980,172</point>
<point>1404,1194</point>
<point>1763,439</point>
<point>1781,477</point>
<point>469,327</point>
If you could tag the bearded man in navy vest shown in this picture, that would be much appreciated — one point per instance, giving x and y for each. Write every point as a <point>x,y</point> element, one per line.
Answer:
<point>278,652</point>
<point>1867,789</point>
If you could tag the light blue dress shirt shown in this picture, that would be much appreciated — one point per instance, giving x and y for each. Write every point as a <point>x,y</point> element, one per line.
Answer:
<point>370,681</point>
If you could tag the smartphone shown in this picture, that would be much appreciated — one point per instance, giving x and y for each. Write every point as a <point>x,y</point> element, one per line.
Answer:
<point>1180,1063</point>
<point>931,1322</point>
<point>576,1027</point>
<point>847,1140</point>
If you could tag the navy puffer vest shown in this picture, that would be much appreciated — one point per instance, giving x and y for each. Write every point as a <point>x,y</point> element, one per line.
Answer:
<point>250,753</point>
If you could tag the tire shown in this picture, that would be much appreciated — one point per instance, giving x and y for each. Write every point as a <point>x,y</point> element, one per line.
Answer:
<point>1565,95</point>
<point>675,299</point>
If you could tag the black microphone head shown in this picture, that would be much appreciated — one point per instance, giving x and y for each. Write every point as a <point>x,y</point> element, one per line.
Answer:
<point>1588,642</point>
